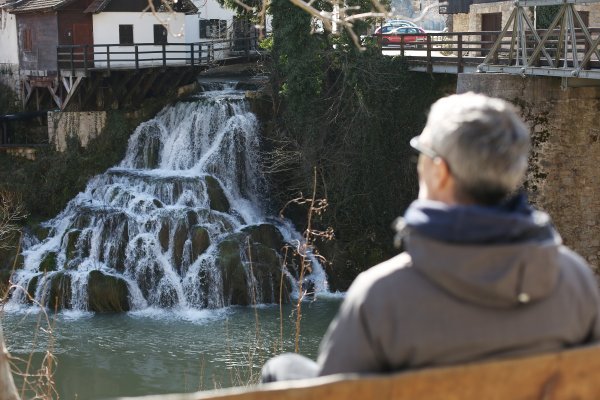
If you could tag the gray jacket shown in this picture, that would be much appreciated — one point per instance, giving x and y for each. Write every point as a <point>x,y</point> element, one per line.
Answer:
<point>443,302</point>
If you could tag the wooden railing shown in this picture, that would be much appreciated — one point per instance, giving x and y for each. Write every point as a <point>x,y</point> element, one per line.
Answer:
<point>144,55</point>
<point>470,48</point>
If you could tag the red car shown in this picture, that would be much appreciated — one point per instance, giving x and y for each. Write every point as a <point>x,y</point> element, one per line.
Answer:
<point>411,35</point>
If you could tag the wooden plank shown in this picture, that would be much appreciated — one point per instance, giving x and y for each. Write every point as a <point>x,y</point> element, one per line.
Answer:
<point>569,374</point>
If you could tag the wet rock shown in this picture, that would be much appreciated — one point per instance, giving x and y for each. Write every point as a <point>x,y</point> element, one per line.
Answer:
<point>48,263</point>
<point>120,249</point>
<point>107,293</point>
<point>218,200</point>
<point>40,232</point>
<point>266,234</point>
<point>167,297</point>
<point>59,296</point>
<point>5,275</point>
<point>157,203</point>
<point>32,287</point>
<point>72,238</point>
<point>200,241</point>
<point>148,277</point>
<point>192,218</point>
<point>232,271</point>
<point>181,235</point>
<point>163,235</point>
<point>266,266</point>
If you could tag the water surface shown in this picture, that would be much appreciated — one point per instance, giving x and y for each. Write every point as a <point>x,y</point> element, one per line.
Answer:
<point>164,351</point>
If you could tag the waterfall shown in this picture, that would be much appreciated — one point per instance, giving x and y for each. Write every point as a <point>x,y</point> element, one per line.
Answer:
<point>180,222</point>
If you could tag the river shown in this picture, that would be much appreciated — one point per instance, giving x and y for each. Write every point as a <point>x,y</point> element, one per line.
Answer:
<point>162,351</point>
<point>179,238</point>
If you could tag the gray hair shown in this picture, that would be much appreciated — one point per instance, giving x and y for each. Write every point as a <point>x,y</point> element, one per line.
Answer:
<point>484,143</point>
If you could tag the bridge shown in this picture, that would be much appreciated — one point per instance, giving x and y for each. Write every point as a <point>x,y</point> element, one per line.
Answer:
<point>566,49</point>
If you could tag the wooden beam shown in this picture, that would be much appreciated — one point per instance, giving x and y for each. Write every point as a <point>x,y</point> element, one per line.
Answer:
<point>72,92</point>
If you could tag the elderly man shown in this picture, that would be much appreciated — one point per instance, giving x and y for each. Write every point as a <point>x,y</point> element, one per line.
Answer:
<point>483,274</point>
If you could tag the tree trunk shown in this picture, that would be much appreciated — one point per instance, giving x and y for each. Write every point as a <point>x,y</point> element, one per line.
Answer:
<point>8,391</point>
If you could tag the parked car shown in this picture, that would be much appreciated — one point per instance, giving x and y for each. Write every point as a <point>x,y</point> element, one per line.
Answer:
<point>411,35</point>
<point>392,24</point>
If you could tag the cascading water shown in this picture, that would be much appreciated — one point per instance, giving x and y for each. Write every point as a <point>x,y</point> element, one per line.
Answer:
<point>179,222</point>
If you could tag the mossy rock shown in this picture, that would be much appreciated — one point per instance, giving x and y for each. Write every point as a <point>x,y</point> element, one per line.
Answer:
<point>266,234</point>
<point>232,270</point>
<point>40,232</point>
<point>107,293</point>
<point>266,265</point>
<point>179,238</point>
<point>216,195</point>
<point>59,296</point>
<point>200,241</point>
<point>192,218</point>
<point>72,239</point>
<point>48,263</point>
<point>163,235</point>
<point>32,287</point>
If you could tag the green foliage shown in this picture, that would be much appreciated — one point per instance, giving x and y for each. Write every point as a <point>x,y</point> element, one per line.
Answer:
<point>8,100</point>
<point>545,15</point>
<point>49,182</point>
<point>351,114</point>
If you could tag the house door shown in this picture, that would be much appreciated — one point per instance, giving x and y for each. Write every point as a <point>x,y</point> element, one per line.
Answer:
<point>490,22</point>
<point>82,35</point>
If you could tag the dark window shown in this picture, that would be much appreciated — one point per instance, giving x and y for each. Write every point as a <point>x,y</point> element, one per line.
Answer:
<point>160,34</point>
<point>125,34</point>
<point>213,28</point>
<point>27,40</point>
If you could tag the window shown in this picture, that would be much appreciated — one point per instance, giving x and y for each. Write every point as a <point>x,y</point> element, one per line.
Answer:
<point>160,34</point>
<point>27,40</point>
<point>125,34</point>
<point>213,28</point>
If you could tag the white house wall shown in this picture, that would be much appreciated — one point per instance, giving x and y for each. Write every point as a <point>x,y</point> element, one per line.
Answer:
<point>106,31</point>
<point>9,47</point>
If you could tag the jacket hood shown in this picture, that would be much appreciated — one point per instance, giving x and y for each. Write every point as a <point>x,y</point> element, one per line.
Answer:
<point>493,256</point>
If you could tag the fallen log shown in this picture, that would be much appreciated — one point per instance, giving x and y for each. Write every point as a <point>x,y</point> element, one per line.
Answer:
<point>569,374</point>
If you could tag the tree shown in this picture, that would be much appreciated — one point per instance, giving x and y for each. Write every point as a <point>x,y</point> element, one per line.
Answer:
<point>11,212</point>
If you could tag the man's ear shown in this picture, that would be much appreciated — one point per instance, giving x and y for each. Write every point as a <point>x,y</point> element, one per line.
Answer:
<point>441,174</point>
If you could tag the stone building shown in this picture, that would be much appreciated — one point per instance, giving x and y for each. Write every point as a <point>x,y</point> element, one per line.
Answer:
<point>486,15</point>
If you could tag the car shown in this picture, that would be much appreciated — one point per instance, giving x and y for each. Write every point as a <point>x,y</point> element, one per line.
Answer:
<point>393,23</point>
<point>410,35</point>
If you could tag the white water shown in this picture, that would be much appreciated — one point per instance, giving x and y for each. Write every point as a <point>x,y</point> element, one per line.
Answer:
<point>127,222</point>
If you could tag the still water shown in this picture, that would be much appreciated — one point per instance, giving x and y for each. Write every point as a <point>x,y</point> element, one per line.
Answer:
<point>163,351</point>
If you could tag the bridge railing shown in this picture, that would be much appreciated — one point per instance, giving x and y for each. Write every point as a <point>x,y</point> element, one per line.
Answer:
<point>463,48</point>
<point>143,55</point>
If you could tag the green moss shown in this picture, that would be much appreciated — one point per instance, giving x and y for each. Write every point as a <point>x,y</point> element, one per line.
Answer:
<point>48,263</point>
<point>107,293</point>
<point>216,196</point>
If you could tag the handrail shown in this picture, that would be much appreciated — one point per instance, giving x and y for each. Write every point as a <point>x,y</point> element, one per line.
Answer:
<point>470,48</point>
<point>138,55</point>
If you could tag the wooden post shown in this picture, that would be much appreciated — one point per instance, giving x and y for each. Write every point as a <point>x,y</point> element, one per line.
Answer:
<point>192,54</point>
<point>108,57</point>
<point>402,45</point>
<point>164,54</point>
<point>137,59</point>
<point>85,62</point>
<point>429,62</point>
<point>459,67</point>
<point>72,62</point>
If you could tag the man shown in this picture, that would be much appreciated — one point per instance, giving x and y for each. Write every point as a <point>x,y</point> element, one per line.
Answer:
<point>483,274</point>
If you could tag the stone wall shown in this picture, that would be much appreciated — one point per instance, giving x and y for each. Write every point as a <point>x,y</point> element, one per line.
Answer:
<point>563,176</point>
<point>81,125</point>
<point>472,21</point>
